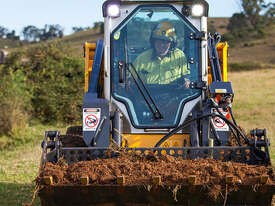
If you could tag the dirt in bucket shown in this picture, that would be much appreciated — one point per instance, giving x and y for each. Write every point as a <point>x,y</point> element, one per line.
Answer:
<point>140,169</point>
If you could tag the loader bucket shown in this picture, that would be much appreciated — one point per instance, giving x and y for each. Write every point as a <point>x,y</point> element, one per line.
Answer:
<point>185,190</point>
<point>189,195</point>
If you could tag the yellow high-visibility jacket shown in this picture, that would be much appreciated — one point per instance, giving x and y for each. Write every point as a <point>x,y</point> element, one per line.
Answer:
<point>154,70</point>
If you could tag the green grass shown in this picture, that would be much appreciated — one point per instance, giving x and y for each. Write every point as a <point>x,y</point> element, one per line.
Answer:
<point>7,43</point>
<point>14,194</point>
<point>254,104</point>
<point>29,135</point>
<point>248,66</point>
<point>19,168</point>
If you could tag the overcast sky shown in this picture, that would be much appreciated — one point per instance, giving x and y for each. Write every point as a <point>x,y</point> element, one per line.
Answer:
<point>16,14</point>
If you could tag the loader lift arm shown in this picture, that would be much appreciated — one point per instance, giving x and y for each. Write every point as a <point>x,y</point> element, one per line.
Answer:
<point>213,41</point>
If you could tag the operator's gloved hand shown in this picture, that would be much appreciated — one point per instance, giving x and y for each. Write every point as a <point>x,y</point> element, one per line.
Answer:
<point>187,83</point>
<point>182,83</point>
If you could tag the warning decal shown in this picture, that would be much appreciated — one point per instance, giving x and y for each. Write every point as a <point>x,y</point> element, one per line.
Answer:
<point>91,118</point>
<point>219,123</point>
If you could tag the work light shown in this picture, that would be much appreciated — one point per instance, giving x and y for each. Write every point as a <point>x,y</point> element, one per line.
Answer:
<point>197,10</point>
<point>113,10</point>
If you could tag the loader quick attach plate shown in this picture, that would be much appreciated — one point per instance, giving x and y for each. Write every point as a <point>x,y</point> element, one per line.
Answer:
<point>243,154</point>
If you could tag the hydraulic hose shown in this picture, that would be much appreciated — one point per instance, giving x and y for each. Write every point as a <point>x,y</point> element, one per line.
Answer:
<point>236,135</point>
<point>214,132</point>
<point>174,131</point>
<point>232,116</point>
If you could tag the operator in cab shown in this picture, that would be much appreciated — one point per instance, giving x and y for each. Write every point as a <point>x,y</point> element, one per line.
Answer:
<point>163,63</point>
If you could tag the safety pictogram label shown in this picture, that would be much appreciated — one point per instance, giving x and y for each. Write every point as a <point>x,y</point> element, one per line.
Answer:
<point>91,118</point>
<point>219,123</point>
<point>91,121</point>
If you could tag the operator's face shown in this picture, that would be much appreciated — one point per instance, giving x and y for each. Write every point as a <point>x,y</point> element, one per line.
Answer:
<point>161,47</point>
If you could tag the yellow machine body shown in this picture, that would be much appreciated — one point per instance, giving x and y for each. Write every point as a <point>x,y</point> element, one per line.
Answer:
<point>149,140</point>
<point>222,49</point>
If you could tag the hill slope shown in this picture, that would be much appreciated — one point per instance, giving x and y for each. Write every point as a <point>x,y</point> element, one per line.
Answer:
<point>7,43</point>
<point>77,40</point>
<point>258,51</point>
<point>253,51</point>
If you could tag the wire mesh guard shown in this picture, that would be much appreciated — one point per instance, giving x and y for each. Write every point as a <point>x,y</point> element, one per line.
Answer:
<point>236,154</point>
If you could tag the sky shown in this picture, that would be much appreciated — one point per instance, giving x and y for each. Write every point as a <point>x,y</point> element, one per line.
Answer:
<point>16,14</point>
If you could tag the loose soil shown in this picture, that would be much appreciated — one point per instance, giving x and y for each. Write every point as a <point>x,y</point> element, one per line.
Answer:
<point>139,170</point>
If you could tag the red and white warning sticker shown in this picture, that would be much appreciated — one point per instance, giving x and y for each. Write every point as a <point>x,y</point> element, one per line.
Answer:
<point>219,123</point>
<point>91,118</point>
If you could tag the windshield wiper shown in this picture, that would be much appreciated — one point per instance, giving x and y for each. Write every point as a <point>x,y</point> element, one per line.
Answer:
<point>156,112</point>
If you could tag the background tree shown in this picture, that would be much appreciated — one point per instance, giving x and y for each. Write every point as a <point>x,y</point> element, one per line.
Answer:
<point>99,26</point>
<point>3,31</point>
<point>77,29</point>
<point>35,87</point>
<point>271,11</point>
<point>12,36</point>
<point>252,22</point>
<point>237,21</point>
<point>258,12</point>
<point>31,33</point>
<point>51,32</point>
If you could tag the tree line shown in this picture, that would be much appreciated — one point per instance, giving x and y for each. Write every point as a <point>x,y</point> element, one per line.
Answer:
<point>252,22</point>
<point>32,33</point>
<point>5,33</point>
<point>255,14</point>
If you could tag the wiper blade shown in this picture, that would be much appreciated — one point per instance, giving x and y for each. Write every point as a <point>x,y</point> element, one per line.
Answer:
<point>156,112</point>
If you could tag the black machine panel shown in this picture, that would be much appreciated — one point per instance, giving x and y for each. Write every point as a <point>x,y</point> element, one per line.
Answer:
<point>96,121</point>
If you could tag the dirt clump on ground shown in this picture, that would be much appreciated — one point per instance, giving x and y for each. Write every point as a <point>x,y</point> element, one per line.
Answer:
<point>139,170</point>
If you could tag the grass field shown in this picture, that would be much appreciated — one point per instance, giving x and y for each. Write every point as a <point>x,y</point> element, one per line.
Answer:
<point>17,172</point>
<point>19,167</point>
<point>254,107</point>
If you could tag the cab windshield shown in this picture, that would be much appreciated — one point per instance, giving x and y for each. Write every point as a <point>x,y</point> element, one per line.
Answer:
<point>154,60</point>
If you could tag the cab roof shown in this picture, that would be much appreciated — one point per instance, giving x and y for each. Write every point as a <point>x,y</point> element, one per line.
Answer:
<point>184,2</point>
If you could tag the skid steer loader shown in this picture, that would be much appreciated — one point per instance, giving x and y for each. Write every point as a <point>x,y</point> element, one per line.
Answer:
<point>141,101</point>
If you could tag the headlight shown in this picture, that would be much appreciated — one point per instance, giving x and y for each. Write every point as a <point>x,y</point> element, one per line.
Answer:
<point>197,10</point>
<point>113,10</point>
